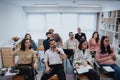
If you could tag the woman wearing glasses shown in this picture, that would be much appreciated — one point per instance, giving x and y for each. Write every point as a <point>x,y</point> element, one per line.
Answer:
<point>105,56</point>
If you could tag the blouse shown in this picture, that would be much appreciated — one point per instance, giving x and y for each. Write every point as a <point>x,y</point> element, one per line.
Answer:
<point>26,58</point>
<point>103,58</point>
<point>93,45</point>
<point>80,57</point>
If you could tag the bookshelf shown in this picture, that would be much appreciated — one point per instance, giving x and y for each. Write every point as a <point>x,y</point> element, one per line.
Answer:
<point>109,24</point>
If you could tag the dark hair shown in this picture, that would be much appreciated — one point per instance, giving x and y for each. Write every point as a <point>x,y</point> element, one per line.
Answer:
<point>97,39</point>
<point>70,33</point>
<point>48,33</point>
<point>51,40</point>
<point>29,35</point>
<point>51,30</point>
<point>57,37</point>
<point>23,44</point>
<point>102,46</point>
<point>81,42</point>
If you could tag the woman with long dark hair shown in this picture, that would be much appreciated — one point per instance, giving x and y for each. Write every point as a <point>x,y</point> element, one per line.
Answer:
<point>82,57</point>
<point>27,60</point>
<point>105,56</point>
<point>94,43</point>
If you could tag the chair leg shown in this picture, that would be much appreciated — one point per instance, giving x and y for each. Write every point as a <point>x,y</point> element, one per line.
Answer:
<point>78,79</point>
<point>75,77</point>
<point>66,65</point>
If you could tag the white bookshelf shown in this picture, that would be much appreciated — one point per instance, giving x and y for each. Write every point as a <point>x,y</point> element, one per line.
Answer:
<point>109,24</point>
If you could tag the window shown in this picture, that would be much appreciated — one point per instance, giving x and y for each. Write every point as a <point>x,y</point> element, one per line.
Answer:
<point>36,22</point>
<point>87,22</point>
<point>53,21</point>
<point>62,23</point>
<point>69,24</point>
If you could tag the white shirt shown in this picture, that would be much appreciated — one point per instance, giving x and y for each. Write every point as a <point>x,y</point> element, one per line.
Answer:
<point>80,57</point>
<point>53,57</point>
<point>71,44</point>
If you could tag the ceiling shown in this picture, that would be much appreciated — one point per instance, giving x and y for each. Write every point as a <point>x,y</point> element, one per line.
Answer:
<point>64,3</point>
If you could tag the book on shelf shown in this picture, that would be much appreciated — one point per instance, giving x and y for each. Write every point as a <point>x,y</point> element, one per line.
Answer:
<point>118,21</point>
<point>119,28</point>
<point>113,13</point>
<point>118,13</point>
<point>116,35</point>
<point>110,14</point>
<point>102,15</point>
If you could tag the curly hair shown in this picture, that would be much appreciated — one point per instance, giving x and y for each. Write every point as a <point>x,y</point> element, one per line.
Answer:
<point>23,44</point>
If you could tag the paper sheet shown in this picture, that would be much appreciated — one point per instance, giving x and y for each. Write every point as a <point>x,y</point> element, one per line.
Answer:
<point>108,69</point>
<point>83,69</point>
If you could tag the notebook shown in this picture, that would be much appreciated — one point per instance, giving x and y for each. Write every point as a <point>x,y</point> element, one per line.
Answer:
<point>83,69</point>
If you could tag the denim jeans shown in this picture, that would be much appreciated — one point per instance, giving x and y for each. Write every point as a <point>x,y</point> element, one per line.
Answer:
<point>117,70</point>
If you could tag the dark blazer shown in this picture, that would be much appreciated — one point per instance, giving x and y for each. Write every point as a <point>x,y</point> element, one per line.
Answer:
<point>79,37</point>
<point>46,44</point>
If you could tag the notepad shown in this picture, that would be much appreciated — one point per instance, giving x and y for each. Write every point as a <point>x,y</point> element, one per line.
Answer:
<point>83,69</point>
<point>108,69</point>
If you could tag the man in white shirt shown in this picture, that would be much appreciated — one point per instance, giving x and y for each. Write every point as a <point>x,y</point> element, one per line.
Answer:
<point>53,62</point>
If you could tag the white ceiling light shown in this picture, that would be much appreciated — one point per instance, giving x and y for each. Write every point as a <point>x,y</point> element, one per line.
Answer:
<point>45,5</point>
<point>88,5</point>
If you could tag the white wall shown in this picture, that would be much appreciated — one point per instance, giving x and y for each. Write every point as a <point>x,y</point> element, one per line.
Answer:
<point>112,7</point>
<point>12,21</point>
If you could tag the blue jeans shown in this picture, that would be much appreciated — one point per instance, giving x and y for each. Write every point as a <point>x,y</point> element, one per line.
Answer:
<point>117,70</point>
